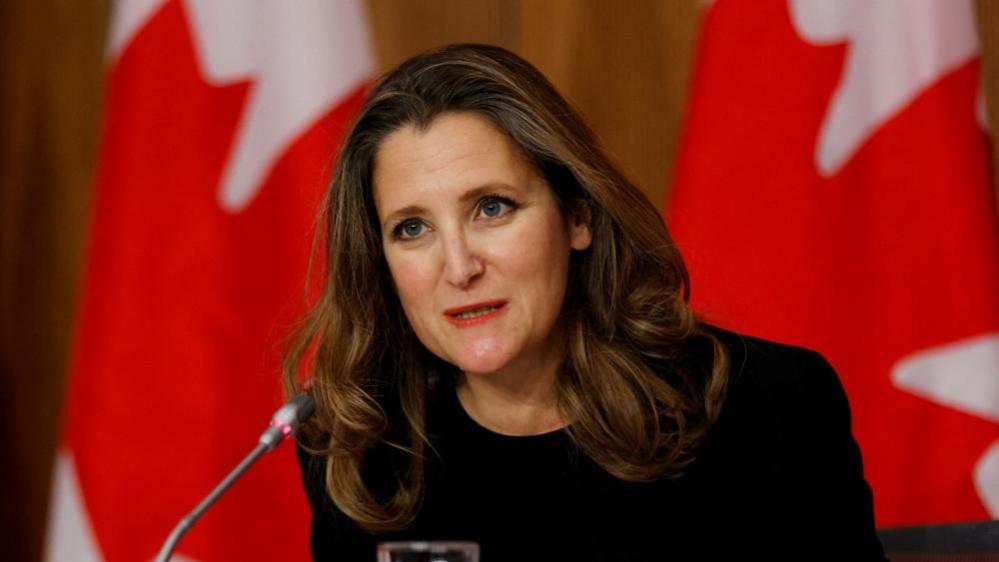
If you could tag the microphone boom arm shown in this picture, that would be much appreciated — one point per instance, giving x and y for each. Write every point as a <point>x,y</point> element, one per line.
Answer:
<point>285,422</point>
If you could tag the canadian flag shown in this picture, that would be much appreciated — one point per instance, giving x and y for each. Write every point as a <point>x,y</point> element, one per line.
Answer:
<point>833,190</point>
<point>221,122</point>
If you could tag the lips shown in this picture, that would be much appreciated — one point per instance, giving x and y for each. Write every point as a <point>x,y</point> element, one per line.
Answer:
<point>476,313</point>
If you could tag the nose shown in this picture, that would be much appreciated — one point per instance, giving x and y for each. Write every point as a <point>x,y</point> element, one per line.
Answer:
<point>462,264</point>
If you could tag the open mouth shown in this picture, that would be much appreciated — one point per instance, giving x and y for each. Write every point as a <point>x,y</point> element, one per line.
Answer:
<point>478,311</point>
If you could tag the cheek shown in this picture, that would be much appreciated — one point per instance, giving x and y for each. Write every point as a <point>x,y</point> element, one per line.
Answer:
<point>412,278</point>
<point>538,254</point>
<point>537,261</point>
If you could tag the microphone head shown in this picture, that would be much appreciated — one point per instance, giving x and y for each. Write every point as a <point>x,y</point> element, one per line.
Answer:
<point>305,406</point>
<point>288,418</point>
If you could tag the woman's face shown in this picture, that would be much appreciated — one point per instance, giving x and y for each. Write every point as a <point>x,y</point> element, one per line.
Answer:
<point>475,242</point>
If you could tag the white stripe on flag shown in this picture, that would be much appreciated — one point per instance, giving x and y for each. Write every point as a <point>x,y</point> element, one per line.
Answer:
<point>70,536</point>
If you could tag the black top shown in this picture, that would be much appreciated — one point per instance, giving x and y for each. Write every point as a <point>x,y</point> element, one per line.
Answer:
<point>781,478</point>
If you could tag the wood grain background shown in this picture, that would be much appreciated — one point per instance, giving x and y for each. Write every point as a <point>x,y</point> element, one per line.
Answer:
<point>625,65</point>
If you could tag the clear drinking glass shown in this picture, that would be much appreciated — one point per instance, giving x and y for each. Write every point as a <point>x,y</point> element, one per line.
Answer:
<point>428,551</point>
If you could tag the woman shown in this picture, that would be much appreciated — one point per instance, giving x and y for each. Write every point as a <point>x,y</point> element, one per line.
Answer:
<point>503,353</point>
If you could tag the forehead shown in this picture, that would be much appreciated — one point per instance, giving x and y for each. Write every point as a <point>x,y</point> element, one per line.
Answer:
<point>456,152</point>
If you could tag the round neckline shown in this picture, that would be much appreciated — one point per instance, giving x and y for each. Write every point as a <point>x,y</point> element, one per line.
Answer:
<point>470,422</point>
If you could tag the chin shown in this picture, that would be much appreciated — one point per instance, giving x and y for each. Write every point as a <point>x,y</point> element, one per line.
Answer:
<point>482,363</point>
<point>480,367</point>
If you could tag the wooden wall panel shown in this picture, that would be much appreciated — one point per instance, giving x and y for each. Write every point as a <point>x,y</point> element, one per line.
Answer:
<point>625,65</point>
<point>50,85</point>
<point>988,32</point>
<point>401,29</point>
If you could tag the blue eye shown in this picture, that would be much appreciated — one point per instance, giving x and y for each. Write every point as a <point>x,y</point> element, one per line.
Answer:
<point>495,206</point>
<point>492,209</point>
<point>410,229</point>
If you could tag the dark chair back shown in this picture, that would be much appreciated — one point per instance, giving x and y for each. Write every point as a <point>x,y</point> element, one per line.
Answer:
<point>961,542</point>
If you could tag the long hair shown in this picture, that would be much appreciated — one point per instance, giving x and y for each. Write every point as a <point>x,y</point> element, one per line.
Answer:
<point>642,381</point>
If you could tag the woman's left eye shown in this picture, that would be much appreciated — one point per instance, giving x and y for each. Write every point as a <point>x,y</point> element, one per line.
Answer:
<point>495,206</point>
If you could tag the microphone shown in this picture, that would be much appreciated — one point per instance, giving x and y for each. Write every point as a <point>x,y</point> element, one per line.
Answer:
<point>285,421</point>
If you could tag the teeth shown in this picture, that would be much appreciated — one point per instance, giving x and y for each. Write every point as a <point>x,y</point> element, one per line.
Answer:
<point>475,313</point>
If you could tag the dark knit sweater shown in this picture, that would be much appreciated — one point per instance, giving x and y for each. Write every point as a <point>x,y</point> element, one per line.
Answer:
<point>781,478</point>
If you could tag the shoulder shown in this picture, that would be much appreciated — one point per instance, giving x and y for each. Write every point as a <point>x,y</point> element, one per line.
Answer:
<point>765,361</point>
<point>778,378</point>
<point>785,428</point>
<point>787,401</point>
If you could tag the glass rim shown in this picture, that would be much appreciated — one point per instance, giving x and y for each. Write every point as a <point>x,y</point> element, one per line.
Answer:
<point>435,547</point>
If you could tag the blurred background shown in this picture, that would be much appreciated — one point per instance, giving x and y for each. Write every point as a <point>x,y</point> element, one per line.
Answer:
<point>625,65</point>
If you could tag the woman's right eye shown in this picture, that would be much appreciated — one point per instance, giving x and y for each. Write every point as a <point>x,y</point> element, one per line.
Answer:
<point>410,228</point>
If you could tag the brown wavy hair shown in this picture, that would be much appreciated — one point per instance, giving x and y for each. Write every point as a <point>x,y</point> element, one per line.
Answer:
<point>642,380</point>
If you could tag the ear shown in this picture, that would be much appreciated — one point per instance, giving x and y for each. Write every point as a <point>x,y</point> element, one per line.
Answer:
<point>580,233</point>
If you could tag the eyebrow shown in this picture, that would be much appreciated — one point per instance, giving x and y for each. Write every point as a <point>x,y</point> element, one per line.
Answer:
<point>471,194</point>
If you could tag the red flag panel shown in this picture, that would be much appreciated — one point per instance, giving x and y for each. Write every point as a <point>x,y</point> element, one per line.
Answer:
<point>894,252</point>
<point>184,309</point>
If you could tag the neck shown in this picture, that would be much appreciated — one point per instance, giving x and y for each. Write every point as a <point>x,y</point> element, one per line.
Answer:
<point>514,402</point>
